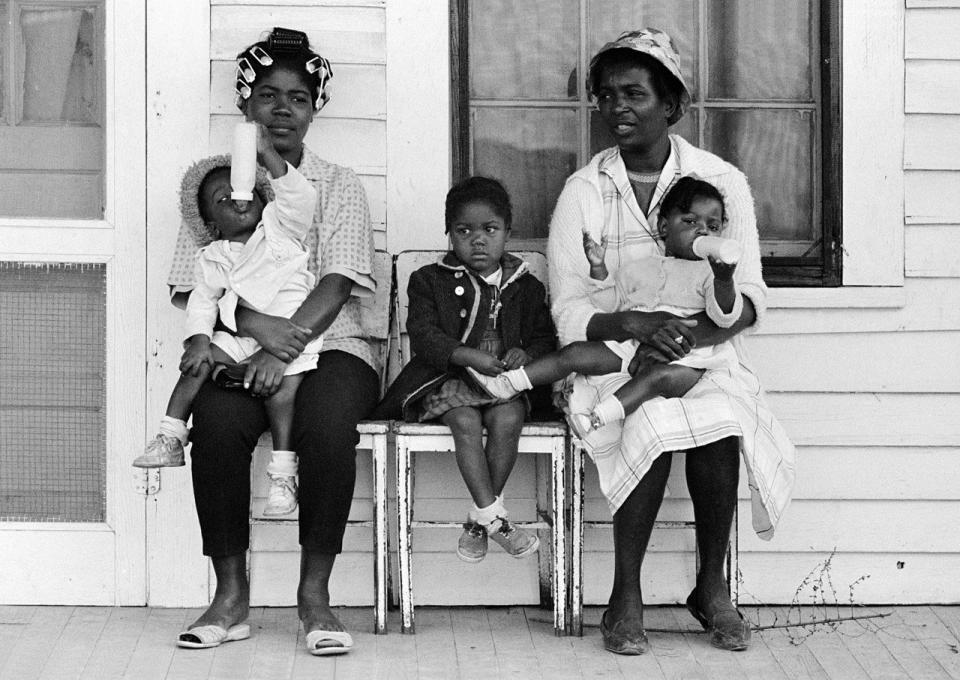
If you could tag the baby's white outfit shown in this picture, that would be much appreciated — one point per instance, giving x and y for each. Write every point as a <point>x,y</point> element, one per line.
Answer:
<point>268,273</point>
<point>668,284</point>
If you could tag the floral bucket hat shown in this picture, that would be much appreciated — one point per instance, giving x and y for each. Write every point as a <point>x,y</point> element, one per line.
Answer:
<point>657,44</point>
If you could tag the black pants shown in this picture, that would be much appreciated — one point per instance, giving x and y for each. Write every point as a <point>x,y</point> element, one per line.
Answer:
<point>226,426</point>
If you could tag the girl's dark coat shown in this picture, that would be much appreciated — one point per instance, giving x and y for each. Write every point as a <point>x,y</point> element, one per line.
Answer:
<point>449,306</point>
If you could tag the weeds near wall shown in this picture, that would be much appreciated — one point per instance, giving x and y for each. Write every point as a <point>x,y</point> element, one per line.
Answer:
<point>817,606</point>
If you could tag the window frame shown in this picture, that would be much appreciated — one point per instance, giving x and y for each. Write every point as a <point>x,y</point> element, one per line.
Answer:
<point>778,271</point>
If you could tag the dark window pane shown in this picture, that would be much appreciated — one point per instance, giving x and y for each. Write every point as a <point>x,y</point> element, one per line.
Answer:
<point>523,50</point>
<point>774,148</point>
<point>759,49</point>
<point>607,19</point>
<point>532,151</point>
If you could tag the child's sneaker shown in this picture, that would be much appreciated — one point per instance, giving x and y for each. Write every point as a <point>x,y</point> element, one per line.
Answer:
<point>282,498</point>
<point>516,541</point>
<point>495,386</point>
<point>473,542</point>
<point>161,451</point>
<point>583,424</point>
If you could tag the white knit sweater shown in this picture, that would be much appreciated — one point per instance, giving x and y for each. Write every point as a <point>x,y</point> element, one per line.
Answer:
<point>580,207</point>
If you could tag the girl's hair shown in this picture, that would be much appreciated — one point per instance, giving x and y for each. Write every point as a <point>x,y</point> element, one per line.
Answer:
<point>287,49</point>
<point>688,189</point>
<point>474,189</point>
<point>663,82</point>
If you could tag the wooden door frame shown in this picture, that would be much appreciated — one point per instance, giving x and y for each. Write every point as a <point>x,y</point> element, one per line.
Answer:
<point>99,563</point>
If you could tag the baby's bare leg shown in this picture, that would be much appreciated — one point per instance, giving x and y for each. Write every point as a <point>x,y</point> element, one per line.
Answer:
<point>188,386</point>
<point>657,380</point>
<point>589,358</point>
<point>280,406</point>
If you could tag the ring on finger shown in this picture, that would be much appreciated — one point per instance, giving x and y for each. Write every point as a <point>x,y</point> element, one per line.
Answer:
<point>678,339</point>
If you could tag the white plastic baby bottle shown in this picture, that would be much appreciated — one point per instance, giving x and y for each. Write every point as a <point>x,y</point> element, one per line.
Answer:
<point>725,250</point>
<point>243,161</point>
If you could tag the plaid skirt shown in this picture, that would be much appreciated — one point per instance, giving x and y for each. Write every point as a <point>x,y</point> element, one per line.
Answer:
<point>723,403</point>
<point>454,392</point>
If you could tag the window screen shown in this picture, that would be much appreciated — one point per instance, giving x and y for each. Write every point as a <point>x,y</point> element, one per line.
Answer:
<point>52,401</point>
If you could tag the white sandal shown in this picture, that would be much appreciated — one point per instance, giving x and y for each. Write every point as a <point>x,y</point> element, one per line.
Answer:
<point>343,640</point>
<point>213,635</point>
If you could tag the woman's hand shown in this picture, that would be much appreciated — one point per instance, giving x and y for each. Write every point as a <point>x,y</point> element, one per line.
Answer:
<point>196,353</point>
<point>673,339</point>
<point>264,374</point>
<point>267,155</point>
<point>515,358</point>
<point>283,338</point>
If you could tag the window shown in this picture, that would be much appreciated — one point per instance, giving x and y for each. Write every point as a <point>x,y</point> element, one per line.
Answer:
<point>51,109</point>
<point>764,78</point>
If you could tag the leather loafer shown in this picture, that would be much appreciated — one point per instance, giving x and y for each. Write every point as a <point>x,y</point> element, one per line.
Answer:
<point>622,643</point>
<point>727,628</point>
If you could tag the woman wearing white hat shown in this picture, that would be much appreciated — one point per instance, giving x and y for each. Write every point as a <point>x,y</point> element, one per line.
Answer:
<point>640,92</point>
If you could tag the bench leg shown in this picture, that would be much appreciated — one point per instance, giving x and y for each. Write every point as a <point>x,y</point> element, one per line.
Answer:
<point>558,484</point>
<point>576,540</point>
<point>380,547</point>
<point>404,547</point>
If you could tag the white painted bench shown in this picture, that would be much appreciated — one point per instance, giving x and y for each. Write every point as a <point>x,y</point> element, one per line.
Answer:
<point>547,437</point>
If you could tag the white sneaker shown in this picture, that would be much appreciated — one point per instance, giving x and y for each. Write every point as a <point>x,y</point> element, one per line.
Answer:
<point>282,498</point>
<point>495,386</point>
<point>161,451</point>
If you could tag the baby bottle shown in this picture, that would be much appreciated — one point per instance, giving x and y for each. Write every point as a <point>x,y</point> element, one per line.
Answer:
<point>724,250</point>
<point>243,161</point>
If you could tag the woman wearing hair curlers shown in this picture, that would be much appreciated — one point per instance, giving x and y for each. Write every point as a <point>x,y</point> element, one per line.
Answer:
<point>282,84</point>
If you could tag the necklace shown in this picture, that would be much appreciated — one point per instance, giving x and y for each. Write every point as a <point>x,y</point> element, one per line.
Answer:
<point>645,178</point>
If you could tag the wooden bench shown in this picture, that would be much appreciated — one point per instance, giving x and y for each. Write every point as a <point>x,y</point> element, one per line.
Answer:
<point>548,437</point>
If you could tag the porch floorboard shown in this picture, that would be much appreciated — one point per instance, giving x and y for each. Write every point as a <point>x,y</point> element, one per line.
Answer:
<point>56,643</point>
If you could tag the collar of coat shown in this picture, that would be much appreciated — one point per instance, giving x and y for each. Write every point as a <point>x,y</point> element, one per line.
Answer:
<point>513,267</point>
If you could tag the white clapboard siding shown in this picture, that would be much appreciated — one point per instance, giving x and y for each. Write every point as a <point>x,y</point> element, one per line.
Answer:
<point>932,142</point>
<point>870,419</point>
<point>876,578</point>
<point>930,4</point>
<point>822,525</point>
<point>931,251</point>
<point>353,142</point>
<point>825,472</point>
<point>932,34</point>
<point>930,196</point>
<point>933,87</point>
<point>341,34</point>
<point>821,362</point>
<point>356,90</point>
<point>927,305</point>
<point>879,578</point>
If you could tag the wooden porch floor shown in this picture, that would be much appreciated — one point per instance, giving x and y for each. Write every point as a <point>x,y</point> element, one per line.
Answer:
<point>473,642</point>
